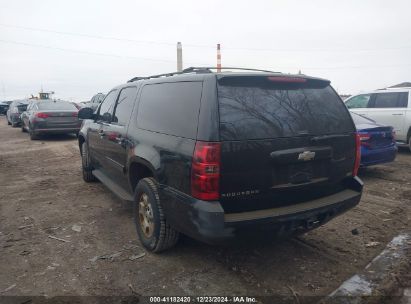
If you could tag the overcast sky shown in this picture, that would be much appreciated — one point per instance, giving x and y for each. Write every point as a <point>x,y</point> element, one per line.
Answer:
<point>78,48</point>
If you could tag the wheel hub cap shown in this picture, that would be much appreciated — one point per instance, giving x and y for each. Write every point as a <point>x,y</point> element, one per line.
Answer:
<point>145,214</point>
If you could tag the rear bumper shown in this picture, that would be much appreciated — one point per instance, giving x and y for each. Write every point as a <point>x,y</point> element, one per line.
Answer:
<point>378,156</point>
<point>56,130</point>
<point>42,127</point>
<point>402,144</point>
<point>206,221</point>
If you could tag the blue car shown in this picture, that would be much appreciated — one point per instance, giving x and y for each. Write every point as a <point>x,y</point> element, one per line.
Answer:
<point>377,141</point>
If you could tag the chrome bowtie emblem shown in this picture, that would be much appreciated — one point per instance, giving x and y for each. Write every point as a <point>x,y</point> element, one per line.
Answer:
<point>306,155</point>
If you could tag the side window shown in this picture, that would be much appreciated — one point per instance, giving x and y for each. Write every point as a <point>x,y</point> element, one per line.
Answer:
<point>124,106</point>
<point>170,108</point>
<point>107,107</point>
<point>358,102</point>
<point>387,100</point>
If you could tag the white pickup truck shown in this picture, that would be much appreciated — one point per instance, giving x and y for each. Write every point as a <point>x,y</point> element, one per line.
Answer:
<point>390,107</point>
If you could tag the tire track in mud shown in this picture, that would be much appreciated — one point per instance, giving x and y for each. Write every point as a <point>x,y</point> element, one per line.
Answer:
<point>41,185</point>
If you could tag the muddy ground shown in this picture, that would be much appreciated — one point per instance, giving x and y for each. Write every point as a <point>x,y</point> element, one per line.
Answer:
<point>43,197</point>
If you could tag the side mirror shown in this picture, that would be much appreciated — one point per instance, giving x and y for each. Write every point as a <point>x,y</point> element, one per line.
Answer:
<point>86,113</point>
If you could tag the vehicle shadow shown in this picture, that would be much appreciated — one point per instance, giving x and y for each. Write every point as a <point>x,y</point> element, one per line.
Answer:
<point>404,150</point>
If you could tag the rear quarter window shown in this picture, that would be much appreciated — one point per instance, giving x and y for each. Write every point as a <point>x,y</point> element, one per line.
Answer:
<point>280,110</point>
<point>170,108</point>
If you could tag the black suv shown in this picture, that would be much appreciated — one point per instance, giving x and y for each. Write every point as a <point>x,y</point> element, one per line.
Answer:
<point>212,155</point>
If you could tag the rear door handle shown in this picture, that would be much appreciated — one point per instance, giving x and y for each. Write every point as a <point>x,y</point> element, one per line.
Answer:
<point>397,114</point>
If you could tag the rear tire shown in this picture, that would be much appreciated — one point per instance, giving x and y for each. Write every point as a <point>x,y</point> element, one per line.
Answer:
<point>8,122</point>
<point>33,135</point>
<point>14,125</point>
<point>23,129</point>
<point>86,167</point>
<point>154,232</point>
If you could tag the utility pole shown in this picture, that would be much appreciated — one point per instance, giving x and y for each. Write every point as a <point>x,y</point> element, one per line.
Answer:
<point>218,58</point>
<point>179,57</point>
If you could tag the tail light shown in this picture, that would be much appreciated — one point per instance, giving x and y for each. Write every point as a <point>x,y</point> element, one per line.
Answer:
<point>286,79</point>
<point>364,138</point>
<point>205,171</point>
<point>357,154</point>
<point>42,115</point>
<point>74,114</point>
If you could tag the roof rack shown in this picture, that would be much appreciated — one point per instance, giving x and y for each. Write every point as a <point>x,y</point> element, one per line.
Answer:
<point>198,70</point>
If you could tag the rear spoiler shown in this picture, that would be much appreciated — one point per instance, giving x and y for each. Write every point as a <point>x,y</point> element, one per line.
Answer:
<point>272,80</point>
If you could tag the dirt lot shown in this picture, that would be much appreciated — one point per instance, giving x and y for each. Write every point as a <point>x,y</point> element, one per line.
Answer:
<point>42,195</point>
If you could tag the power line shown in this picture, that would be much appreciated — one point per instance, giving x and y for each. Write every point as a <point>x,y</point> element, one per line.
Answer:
<point>202,45</point>
<point>101,37</point>
<point>87,52</point>
<point>191,63</point>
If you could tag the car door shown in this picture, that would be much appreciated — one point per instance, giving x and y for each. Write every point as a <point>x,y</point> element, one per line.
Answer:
<point>388,108</point>
<point>358,104</point>
<point>96,132</point>
<point>116,141</point>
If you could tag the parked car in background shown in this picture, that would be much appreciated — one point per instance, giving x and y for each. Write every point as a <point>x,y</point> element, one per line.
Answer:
<point>48,116</point>
<point>220,155</point>
<point>4,106</point>
<point>13,113</point>
<point>377,141</point>
<point>94,102</point>
<point>390,107</point>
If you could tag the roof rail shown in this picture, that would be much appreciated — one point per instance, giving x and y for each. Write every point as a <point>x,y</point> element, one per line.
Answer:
<point>135,79</point>
<point>198,70</point>
<point>202,69</point>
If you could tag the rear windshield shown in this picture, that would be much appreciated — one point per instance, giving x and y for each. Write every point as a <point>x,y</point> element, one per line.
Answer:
<point>267,109</point>
<point>22,108</point>
<point>58,105</point>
